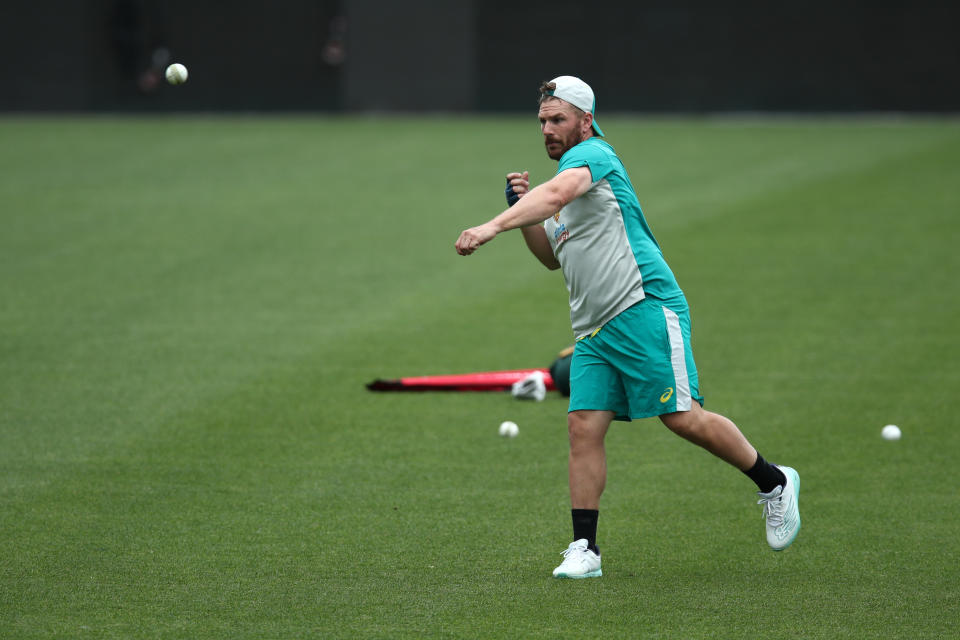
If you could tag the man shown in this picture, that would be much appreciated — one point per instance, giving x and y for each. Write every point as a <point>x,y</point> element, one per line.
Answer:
<point>631,321</point>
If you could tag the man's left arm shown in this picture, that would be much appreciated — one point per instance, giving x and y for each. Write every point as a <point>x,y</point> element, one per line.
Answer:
<point>534,207</point>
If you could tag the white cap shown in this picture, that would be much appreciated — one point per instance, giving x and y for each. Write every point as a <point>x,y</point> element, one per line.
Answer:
<point>578,93</point>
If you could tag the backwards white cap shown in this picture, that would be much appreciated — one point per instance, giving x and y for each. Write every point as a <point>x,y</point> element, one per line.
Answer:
<point>578,93</point>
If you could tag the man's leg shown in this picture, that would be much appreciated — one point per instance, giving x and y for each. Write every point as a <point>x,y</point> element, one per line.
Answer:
<point>588,477</point>
<point>713,432</point>
<point>779,486</point>
<point>588,458</point>
<point>718,435</point>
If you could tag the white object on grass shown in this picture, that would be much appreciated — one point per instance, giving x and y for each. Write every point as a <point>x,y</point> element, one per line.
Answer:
<point>891,432</point>
<point>531,387</point>
<point>509,429</point>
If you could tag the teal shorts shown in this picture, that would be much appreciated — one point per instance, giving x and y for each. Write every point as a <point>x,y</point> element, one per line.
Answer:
<point>638,365</point>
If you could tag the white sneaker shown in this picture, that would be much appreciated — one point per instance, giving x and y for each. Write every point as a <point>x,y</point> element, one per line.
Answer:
<point>782,511</point>
<point>579,562</point>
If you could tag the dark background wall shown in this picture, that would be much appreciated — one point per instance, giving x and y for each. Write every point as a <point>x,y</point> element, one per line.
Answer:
<point>731,55</point>
<point>361,55</point>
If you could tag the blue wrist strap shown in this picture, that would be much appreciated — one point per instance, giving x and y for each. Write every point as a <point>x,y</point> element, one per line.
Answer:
<point>512,196</point>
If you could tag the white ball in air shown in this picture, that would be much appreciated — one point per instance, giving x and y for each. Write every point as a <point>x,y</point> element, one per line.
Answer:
<point>176,73</point>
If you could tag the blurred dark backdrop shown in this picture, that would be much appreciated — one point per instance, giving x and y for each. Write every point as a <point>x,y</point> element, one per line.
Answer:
<point>377,55</point>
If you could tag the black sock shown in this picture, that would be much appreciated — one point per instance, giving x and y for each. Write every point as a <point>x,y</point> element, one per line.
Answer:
<point>585,526</point>
<point>766,476</point>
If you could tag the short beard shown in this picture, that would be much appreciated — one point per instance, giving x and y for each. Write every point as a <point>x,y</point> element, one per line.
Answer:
<point>556,157</point>
<point>587,136</point>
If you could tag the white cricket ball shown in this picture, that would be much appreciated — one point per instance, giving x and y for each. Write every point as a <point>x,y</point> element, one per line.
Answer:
<point>891,432</point>
<point>509,429</point>
<point>176,73</point>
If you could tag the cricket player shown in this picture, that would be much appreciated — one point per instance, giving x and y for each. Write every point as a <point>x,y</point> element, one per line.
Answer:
<point>630,318</point>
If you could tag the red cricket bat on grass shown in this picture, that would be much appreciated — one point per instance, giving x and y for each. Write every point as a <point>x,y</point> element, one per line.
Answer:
<point>483,381</point>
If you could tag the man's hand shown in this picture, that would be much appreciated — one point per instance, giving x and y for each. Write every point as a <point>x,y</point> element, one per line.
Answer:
<point>517,185</point>
<point>471,239</point>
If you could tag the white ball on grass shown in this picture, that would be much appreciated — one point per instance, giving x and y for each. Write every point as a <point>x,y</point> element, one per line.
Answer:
<point>891,432</point>
<point>509,429</point>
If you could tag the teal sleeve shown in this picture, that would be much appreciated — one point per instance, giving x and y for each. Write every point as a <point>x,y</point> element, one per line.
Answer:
<point>587,155</point>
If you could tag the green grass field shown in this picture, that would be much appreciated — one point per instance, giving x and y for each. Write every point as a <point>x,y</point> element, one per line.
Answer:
<point>190,308</point>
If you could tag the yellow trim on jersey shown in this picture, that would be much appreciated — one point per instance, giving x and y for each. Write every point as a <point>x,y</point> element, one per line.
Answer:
<point>595,332</point>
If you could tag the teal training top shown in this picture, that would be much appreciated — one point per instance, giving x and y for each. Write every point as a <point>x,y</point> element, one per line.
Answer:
<point>608,254</point>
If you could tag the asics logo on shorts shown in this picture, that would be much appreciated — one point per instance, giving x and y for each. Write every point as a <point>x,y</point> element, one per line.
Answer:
<point>666,395</point>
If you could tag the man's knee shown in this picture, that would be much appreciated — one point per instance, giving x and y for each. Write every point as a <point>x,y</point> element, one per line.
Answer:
<point>687,424</point>
<point>577,426</point>
<point>587,427</point>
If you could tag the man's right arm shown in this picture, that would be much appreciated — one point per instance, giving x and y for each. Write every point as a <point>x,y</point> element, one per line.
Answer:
<point>535,207</point>
<point>536,238</point>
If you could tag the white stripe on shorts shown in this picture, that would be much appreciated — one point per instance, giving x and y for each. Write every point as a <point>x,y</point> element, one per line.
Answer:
<point>678,360</point>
